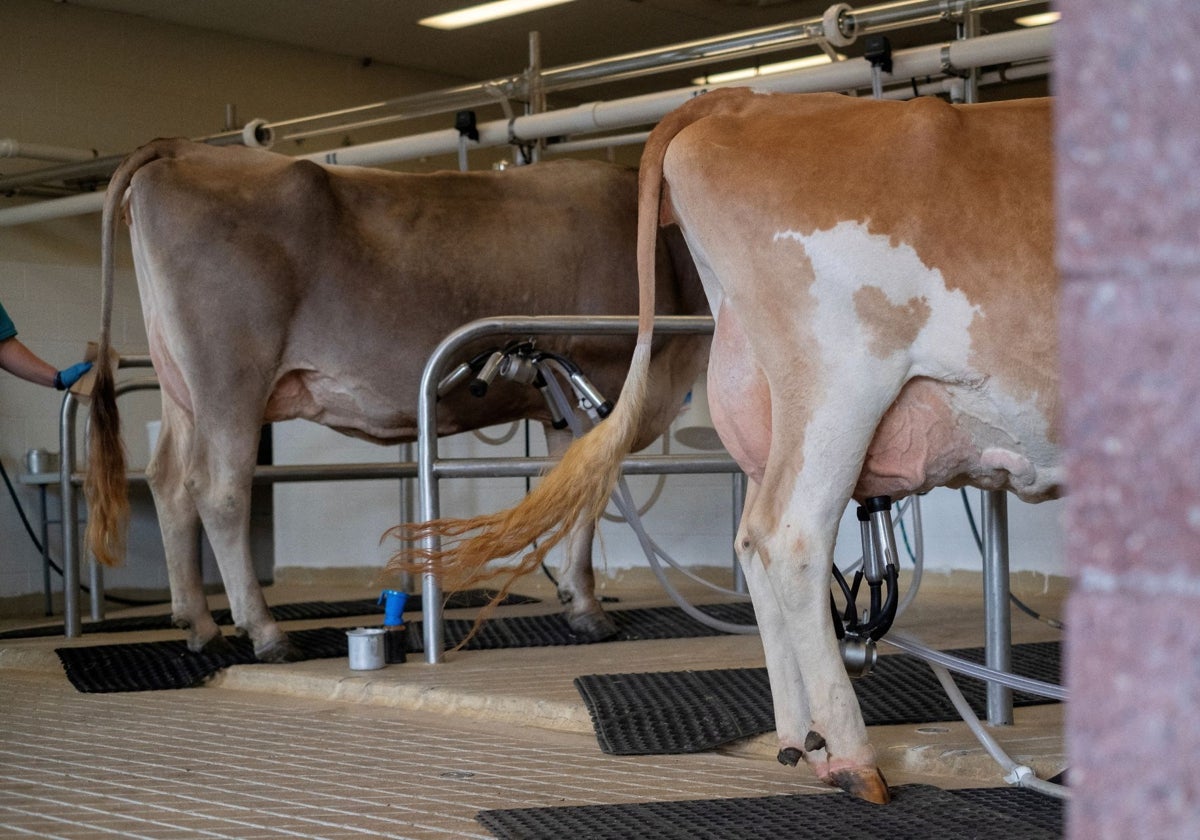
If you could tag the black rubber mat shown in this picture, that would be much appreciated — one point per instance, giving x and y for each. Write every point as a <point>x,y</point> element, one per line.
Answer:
<point>552,630</point>
<point>151,666</point>
<point>282,612</point>
<point>690,711</point>
<point>917,812</point>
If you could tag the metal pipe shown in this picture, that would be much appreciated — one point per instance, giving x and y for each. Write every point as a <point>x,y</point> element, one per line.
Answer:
<point>997,620</point>
<point>70,517</point>
<point>742,44</point>
<point>68,481</point>
<point>92,168</point>
<point>427,459</point>
<point>1025,45</point>
<point>969,27</point>
<point>589,143</point>
<point>535,99</point>
<point>407,503</point>
<point>100,168</point>
<point>10,148</point>
<point>45,535</point>
<point>648,108</point>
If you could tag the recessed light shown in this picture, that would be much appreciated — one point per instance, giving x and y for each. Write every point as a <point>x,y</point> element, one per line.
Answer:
<point>485,12</point>
<point>1039,20</point>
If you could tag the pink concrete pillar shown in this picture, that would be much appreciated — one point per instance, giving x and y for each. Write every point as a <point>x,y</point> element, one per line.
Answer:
<point>1127,81</point>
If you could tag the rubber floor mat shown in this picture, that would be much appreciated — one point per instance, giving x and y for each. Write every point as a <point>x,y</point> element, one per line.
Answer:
<point>668,713</point>
<point>302,611</point>
<point>151,666</point>
<point>916,812</point>
<point>637,624</point>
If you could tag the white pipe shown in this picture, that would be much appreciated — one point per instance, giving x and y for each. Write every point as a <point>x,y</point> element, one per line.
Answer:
<point>55,208</point>
<point>10,148</point>
<point>590,143</point>
<point>1023,45</point>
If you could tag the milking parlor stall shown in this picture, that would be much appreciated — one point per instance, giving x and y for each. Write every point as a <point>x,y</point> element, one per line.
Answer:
<point>588,418</point>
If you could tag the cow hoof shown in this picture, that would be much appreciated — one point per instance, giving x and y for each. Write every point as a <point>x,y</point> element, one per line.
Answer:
<point>789,756</point>
<point>865,783</point>
<point>592,627</point>
<point>280,651</point>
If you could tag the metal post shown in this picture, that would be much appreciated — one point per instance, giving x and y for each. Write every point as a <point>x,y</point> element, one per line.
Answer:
<point>407,506</point>
<point>46,587</point>
<point>70,518</point>
<point>998,623</point>
<point>427,489</point>
<point>969,27</point>
<point>96,588</point>
<point>536,97</point>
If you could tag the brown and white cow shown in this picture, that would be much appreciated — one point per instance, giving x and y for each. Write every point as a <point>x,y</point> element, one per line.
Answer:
<point>883,283</point>
<point>275,288</point>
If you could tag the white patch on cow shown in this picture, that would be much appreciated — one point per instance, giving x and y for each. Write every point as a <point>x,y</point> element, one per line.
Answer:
<point>847,258</point>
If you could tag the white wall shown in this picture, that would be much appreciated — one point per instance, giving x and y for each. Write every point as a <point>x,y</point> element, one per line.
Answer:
<point>83,78</point>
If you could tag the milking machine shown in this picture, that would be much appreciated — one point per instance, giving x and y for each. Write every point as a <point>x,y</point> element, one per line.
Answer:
<point>858,629</point>
<point>522,362</point>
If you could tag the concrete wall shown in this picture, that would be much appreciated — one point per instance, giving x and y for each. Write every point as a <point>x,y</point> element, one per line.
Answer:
<point>78,77</point>
<point>1128,187</point>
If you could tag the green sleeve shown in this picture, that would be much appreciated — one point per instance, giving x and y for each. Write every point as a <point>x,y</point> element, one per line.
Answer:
<point>7,328</point>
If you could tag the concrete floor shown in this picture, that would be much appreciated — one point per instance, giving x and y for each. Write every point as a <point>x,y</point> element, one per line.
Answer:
<point>313,749</point>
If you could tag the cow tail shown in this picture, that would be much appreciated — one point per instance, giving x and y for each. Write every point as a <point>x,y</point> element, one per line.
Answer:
<point>580,484</point>
<point>105,485</point>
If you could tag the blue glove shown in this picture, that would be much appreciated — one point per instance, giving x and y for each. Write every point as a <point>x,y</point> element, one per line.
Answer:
<point>64,379</point>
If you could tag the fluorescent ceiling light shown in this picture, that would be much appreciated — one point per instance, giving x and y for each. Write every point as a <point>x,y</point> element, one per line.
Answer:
<point>1039,20</point>
<point>764,70</point>
<point>485,12</point>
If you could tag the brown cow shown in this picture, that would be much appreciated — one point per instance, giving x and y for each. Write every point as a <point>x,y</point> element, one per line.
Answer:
<point>883,283</point>
<point>274,288</point>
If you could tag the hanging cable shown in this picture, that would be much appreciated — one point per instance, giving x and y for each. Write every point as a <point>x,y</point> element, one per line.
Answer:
<point>12,492</point>
<point>1015,774</point>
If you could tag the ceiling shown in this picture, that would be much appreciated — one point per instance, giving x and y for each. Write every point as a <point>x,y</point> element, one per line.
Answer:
<point>387,31</point>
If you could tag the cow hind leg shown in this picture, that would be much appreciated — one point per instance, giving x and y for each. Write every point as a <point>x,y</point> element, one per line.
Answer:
<point>817,713</point>
<point>180,525</point>
<point>792,716</point>
<point>219,479</point>
<point>576,579</point>
<point>790,532</point>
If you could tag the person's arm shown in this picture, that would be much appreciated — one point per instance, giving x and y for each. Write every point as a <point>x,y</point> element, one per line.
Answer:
<point>20,361</point>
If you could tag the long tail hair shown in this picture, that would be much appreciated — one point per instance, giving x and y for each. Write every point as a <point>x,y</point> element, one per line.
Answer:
<point>105,487</point>
<point>581,483</point>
